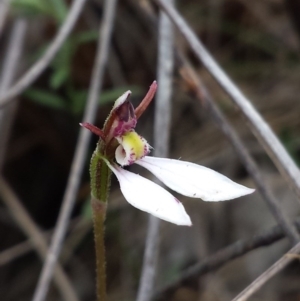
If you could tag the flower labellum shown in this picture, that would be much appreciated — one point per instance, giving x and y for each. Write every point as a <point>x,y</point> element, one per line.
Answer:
<point>120,146</point>
<point>132,148</point>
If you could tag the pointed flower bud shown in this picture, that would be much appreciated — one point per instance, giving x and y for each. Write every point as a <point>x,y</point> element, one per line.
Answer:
<point>125,119</point>
<point>121,118</point>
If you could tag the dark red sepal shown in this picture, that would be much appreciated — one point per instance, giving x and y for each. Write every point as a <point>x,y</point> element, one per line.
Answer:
<point>146,101</point>
<point>95,130</point>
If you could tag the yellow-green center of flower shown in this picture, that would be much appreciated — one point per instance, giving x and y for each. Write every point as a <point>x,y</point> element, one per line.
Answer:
<point>135,142</point>
<point>132,147</point>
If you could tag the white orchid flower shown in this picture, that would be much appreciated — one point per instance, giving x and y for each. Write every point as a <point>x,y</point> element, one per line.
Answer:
<point>186,178</point>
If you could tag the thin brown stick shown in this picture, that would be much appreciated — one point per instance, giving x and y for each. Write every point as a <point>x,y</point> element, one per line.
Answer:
<point>11,63</point>
<point>78,230</point>
<point>31,230</point>
<point>4,5</point>
<point>258,126</point>
<point>268,274</point>
<point>35,71</point>
<point>80,152</point>
<point>12,55</point>
<point>225,255</point>
<point>14,252</point>
<point>203,95</point>
<point>161,145</point>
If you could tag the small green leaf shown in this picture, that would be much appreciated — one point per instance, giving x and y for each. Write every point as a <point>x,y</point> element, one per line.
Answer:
<point>33,7</point>
<point>46,98</point>
<point>56,9</point>
<point>85,37</point>
<point>61,66</point>
<point>59,77</point>
<point>60,9</point>
<point>78,99</point>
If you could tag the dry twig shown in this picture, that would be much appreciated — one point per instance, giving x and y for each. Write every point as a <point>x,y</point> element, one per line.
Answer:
<point>31,230</point>
<point>268,274</point>
<point>260,128</point>
<point>4,5</point>
<point>225,255</point>
<point>35,71</point>
<point>78,227</point>
<point>80,152</point>
<point>10,254</point>
<point>11,62</point>
<point>161,146</point>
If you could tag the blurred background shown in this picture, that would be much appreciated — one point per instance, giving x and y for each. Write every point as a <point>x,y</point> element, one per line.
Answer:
<point>256,42</point>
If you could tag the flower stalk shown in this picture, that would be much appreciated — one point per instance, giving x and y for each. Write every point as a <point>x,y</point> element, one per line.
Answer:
<point>99,213</point>
<point>100,183</point>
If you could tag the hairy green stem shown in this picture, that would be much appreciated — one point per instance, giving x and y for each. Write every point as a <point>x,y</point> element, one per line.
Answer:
<point>99,212</point>
<point>100,182</point>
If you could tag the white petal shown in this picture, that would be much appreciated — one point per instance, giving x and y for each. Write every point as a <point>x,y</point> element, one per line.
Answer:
<point>150,197</point>
<point>194,180</point>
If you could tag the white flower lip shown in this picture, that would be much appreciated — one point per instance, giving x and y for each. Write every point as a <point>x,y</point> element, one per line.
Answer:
<point>122,156</point>
<point>150,197</point>
<point>132,148</point>
<point>194,180</point>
